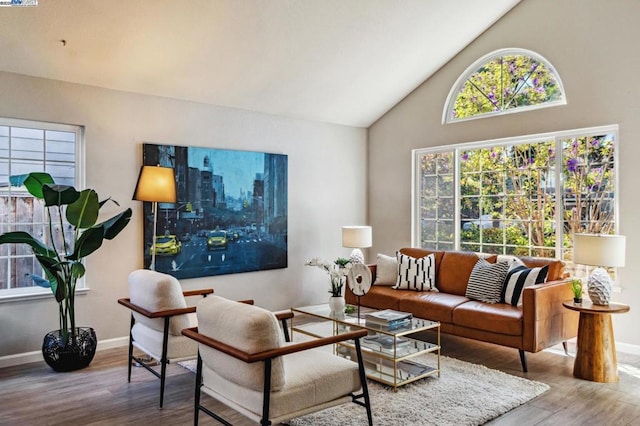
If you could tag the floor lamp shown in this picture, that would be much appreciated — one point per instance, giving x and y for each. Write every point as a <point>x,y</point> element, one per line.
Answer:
<point>156,185</point>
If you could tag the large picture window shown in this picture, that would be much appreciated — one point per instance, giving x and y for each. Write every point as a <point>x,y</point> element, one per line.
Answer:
<point>525,196</point>
<point>27,146</point>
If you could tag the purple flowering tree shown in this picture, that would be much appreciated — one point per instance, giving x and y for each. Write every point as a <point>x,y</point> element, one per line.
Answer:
<point>504,83</point>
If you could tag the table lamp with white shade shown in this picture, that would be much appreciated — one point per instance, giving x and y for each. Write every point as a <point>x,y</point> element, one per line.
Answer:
<point>599,250</point>
<point>356,237</point>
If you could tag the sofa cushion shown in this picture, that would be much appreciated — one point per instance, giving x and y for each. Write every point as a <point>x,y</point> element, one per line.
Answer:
<point>381,297</point>
<point>418,274</point>
<point>452,274</point>
<point>519,277</point>
<point>497,317</point>
<point>432,306</point>
<point>486,281</point>
<point>386,270</point>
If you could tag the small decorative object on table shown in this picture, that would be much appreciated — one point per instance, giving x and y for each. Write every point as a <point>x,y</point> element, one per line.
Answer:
<point>576,287</point>
<point>337,271</point>
<point>359,280</point>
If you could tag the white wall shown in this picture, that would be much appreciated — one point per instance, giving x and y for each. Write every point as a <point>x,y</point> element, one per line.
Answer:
<point>327,189</point>
<point>593,46</point>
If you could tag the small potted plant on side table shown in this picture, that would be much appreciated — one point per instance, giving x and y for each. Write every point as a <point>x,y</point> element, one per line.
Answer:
<point>576,287</point>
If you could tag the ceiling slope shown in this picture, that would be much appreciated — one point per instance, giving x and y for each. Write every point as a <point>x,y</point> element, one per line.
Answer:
<point>336,61</point>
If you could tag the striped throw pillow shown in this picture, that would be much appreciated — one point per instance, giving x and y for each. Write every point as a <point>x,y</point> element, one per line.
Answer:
<point>519,277</point>
<point>416,274</point>
<point>486,281</point>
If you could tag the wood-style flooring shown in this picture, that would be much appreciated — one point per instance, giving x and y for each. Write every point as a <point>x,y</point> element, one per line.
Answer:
<point>32,394</point>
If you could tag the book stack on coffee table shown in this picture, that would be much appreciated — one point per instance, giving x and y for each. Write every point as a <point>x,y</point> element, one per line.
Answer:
<point>388,319</point>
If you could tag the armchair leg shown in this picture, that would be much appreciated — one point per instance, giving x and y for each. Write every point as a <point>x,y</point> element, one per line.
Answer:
<point>565,347</point>
<point>285,330</point>
<point>266,396</point>
<point>133,321</point>
<point>363,382</point>
<point>163,361</point>
<point>196,408</point>
<point>523,360</point>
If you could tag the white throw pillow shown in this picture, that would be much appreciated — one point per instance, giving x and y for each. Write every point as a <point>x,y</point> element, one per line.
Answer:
<point>416,274</point>
<point>386,270</point>
<point>518,277</point>
<point>486,281</point>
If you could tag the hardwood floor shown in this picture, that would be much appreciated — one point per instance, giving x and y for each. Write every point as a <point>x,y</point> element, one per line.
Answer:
<point>32,394</point>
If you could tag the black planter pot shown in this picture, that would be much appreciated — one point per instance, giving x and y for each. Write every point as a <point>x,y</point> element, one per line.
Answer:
<point>72,353</point>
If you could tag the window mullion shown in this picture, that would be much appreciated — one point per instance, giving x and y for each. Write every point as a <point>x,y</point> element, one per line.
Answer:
<point>457,199</point>
<point>559,213</point>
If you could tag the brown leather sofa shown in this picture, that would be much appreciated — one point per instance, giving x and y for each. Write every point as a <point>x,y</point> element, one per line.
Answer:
<point>540,322</point>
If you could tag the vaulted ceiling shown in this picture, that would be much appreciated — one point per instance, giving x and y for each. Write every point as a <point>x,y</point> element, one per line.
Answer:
<point>336,61</point>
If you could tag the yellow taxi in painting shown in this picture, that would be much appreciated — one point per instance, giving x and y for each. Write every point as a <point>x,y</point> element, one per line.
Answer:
<point>217,240</point>
<point>167,244</point>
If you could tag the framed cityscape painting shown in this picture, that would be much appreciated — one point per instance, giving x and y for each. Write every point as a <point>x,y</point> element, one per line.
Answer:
<point>230,215</point>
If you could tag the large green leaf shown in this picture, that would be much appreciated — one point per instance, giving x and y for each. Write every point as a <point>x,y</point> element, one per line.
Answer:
<point>89,241</point>
<point>59,195</point>
<point>21,237</point>
<point>33,182</point>
<point>113,226</point>
<point>83,213</point>
<point>53,270</point>
<point>77,270</point>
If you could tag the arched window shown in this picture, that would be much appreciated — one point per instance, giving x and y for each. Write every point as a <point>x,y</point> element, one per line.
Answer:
<point>502,82</point>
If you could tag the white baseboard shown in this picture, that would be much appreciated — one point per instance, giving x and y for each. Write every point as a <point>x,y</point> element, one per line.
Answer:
<point>628,348</point>
<point>36,356</point>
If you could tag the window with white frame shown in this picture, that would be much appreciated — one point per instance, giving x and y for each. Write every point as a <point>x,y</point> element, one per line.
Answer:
<point>28,146</point>
<point>504,81</point>
<point>523,196</point>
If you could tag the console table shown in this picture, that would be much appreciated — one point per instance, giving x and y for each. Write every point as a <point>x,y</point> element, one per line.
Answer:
<point>596,353</point>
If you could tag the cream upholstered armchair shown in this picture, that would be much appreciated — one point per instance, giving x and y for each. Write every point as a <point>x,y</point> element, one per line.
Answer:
<point>244,363</point>
<point>159,312</point>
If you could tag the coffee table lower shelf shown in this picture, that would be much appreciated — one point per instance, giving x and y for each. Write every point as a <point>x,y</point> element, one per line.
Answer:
<point>388,371</point>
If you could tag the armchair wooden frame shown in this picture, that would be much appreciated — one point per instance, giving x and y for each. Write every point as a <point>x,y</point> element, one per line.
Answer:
<point>166,315</point>
<point>267,357</point>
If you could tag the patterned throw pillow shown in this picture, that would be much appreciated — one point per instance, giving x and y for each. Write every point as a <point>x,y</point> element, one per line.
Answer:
<point>416,274</point>
<point>486,281</point>
<point>519,277</point>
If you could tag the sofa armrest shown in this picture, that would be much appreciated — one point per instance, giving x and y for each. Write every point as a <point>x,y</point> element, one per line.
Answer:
<point>546,321</point>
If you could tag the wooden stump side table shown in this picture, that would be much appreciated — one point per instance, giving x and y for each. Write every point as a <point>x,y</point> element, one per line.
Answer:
<point>596,353</point>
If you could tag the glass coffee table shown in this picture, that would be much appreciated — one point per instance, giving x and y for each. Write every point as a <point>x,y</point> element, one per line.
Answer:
<point>393,357</point>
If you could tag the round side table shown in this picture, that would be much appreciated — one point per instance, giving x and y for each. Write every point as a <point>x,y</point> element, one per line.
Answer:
<point>596,353</point>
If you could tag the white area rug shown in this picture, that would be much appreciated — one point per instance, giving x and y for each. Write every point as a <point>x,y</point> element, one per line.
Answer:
<point>465,394</point>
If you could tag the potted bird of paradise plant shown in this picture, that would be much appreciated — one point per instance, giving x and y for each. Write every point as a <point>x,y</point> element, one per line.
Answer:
<point>61,257</point>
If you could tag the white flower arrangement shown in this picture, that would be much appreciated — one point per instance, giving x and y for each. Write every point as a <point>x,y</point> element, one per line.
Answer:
<point>337,272</point>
